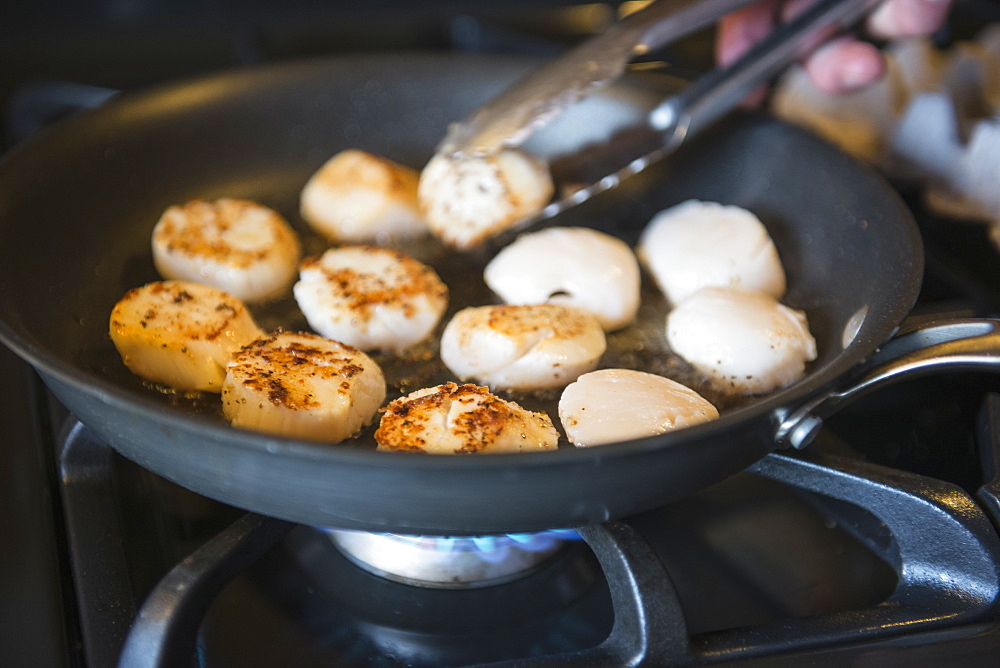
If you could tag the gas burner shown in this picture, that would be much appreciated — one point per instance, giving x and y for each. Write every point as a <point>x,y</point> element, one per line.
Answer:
<point>450,562</point>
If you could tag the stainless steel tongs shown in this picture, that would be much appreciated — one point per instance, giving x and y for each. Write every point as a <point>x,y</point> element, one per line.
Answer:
<point>511,117</point>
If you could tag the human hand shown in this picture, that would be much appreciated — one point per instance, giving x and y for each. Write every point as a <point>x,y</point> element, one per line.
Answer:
<point>845,63</point>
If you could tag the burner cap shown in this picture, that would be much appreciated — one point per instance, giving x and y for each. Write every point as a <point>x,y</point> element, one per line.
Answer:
<point>450,562</point>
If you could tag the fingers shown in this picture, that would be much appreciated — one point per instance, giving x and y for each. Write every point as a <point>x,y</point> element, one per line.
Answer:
<point>907,18</point>
<point>845,65</point>
<point>740,30</point>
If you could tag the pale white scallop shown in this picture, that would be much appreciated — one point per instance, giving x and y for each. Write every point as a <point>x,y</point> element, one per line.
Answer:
<point>371,298</point>
<point>357,197</point>
<point>237,246</point>
<point>699,244</point>
<point>453,419</point>
<point>303,386</point>
<point>613,405</point>
<point>180,334</point>
<point>527,347</point>
<point>467,200</point>
<point>574,266</point>
<point>744,341</point>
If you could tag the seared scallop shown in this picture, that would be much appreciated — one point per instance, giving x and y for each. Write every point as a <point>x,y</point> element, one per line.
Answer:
<point>240,247</point>
<point>614,405</point>
<point>453,419</point>
<point>302,386</point>
<point>746,342</point>
<point>522,347</point>
<point>371,298</point>
<point>180,334</point>
<point>699,244</point>
<point>357,197</point>
<point>469,199</point>
<point>574,266</point>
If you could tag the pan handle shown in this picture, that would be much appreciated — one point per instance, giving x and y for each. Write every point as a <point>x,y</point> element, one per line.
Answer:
<point>941,346</point>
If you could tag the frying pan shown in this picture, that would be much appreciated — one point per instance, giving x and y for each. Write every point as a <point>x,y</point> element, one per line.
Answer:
<point>78,203</point>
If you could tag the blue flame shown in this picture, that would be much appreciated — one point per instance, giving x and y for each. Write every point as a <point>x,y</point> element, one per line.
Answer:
<point>492,547</point>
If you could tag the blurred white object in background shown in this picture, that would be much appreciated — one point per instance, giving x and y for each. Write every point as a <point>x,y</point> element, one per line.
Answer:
<point>925,141</point>
<point>934,119</point>
<point>858,122</point>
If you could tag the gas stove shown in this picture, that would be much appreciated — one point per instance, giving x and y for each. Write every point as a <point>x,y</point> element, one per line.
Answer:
<point>878,544</point>
<point>839,553</point>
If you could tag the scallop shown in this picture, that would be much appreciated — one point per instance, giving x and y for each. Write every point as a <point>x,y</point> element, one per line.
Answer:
<point>469,199</point>
<point>357,197</point>
<point>454,419</point>
<point>371,298</point>
<point>614,405</point>
<point>699,244</point>
<point>301,385</point>
<point>180,334</point>
<point>574,266</point>
<point>528,347</point>
<point>746,342</point>
<point>237,246</point>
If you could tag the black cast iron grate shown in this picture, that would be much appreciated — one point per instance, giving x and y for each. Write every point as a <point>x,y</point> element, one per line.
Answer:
<point>939,542</point>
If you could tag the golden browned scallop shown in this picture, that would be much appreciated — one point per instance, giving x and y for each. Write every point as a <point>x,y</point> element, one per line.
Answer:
<point>237,246</point>
<point>357,197</point>
<point>302,386</point>
<point>372,298</point>
<point>528,347</point>
<point>453,419</point>
<point>180,334</point>
<point>467,200</point>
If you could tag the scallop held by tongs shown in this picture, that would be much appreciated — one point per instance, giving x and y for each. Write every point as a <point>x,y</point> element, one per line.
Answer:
<point>506,121</point>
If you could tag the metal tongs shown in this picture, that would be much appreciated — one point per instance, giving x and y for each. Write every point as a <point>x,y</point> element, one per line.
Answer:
<point>510,118</point>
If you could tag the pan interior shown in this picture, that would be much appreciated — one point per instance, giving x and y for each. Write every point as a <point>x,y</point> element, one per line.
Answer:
<point>77,207</point>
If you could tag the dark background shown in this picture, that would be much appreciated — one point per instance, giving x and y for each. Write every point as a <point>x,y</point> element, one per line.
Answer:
<point>128,44</point>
